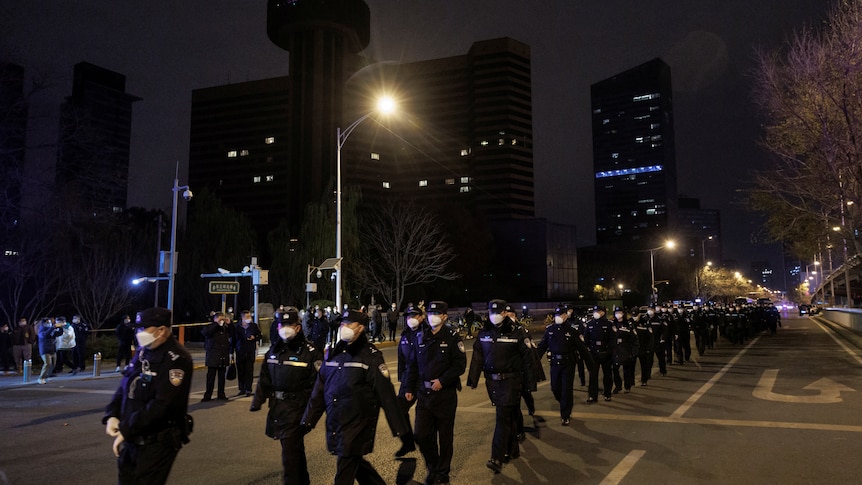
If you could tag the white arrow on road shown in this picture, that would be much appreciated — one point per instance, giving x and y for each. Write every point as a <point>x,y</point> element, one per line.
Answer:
<point>830,391</point>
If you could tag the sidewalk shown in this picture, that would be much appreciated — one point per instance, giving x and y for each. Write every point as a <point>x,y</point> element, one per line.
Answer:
<point>107,368</point>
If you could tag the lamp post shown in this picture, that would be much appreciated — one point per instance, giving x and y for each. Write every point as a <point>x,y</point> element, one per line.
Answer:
<point>703,248</point>
<point>384,105</point>
<point>172,269</point>
<point>667,244</point>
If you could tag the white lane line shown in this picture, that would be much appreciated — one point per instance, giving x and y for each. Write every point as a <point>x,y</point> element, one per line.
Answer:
<point>840,343</point>
<point>623,468</point>
<point>706,387</point>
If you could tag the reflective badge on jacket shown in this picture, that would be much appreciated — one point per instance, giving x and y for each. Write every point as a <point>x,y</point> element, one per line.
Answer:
<point>176,376</point>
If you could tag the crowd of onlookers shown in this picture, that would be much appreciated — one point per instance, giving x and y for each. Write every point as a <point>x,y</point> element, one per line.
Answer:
<point>60,343</point>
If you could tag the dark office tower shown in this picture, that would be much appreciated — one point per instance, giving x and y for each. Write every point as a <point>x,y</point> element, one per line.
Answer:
<point>13,139</point>
<point>323,38</point>
<point>238,148</point>
<point>699,232</point>
<point>95,133</point>
<point>462,134</point>
<point>633,156</point>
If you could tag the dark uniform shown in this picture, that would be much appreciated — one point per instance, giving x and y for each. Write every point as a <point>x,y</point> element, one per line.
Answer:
<point>625,351</point>
<point>352,385</point>
<point>682,336</point>
<point>151,405</point>
<point>660,333</point>
<point>503,353</point>
<point>286,379</point>
<point>562,342</point>
<point>125,338</point>
<point>599,335</point>
<point>219,338</point>
<point>245,345</point>
<point>645,335</point>
<point>406,351</point>
<point>434,376</point>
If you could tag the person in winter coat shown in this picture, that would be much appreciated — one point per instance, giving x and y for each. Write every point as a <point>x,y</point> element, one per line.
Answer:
<point>48,333</point>
<point>625,351</point>
<point>247,336</point>
<point>23,338</point>
<point>66,348</point>
<point>287,377</point>
<point>125,339</point>
<point>219,336</point>
<point>82,331</point>
<point>352,385</point>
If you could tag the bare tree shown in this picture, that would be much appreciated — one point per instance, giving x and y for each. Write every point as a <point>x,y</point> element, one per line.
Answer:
<point>809,96</point>
<point>404,246</point>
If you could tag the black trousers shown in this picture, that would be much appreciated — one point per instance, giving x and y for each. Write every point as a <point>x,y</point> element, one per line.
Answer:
<point>212,372</point>
<point>350,469</point>
<point>147,464</point>
<point>65,357</point>
<point>124,354</point>
<point>562,386</point>
<point>628,377</point>
<point>81,353</point>
<point>245,372</point>
<point>646,365</point>
<point>660,353</point>
<point>505,435</point>
<point>603,362</point>
<point>434,430</point>
<point>293,459</point>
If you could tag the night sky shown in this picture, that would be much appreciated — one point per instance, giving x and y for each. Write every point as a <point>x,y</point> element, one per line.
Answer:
<point>166,49</point>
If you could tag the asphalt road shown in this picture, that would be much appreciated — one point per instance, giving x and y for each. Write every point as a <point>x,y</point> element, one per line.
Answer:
<point>782,408</point>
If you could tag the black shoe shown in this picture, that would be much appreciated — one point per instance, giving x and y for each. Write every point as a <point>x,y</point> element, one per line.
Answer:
<point>407,447</point>
<point>74,372</point>
<point>248,394</point>
<point>223,398</point>
<point>495,465</point>
<point>628,390</point>
<point>607,398</point>
<point>590,400</point>
<point>241,393</point>
<point>617,390</point>
<point>643,383</point>
<point>565,421</point>
<point>521,437</point>
<point>206,399</point>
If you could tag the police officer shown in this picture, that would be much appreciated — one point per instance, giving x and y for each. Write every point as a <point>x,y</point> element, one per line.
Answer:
<point>286,380</point>
<point>147,416</point>
<point>352,385</point>
<point>219,337</point>
<point>434,376</point>
<point>660,333</point>
<point>414,321</point>
<point>645,343</point>
<point>503,353</point>
<point>318,328</point>
<point>625,351</point>
<point>599,335</point>
<point>562,341</point>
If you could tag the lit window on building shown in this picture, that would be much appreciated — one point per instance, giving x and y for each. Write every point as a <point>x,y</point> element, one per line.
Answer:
<point>646,97</point>
<point>269,140</point>
<point>606,121</point>
<point>270,178</point>
<point>465,180</point>
<point>375,156</point>
<point>423,183</point>
<point>465,189</point>
<point>501,142</point>
<point>650,212</point>
<point>514,141</point>
<point>654,126</point>
<point>653,108</point>
<point>256,179</point>
<point>231,154</point>
<point>615,155</point>
<point>641,117</point>
<point>117,209</point>
<point>484,143</point>
<point>639,139</point>
<point>243,153</point>
<point>465,152</point>
<point>387,185</point>
<point>597,111</point>
<point>450,181</point>
<point>655,138</point>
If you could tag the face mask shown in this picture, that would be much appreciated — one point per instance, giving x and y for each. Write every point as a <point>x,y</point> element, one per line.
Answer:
<point>650,312</point>
<point>596,315</point>
<point>286,333</point>
<point>346,333</point>
<point>145,339</point>
<point>559,319</point>
<point>248,320</point>
<point>435,320</point>
<point>413,323</point>
<point>496,318</point>
<point>619,316</point>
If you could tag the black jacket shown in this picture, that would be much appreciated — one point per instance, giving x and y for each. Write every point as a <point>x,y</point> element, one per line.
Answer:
<point>218,344</point>
<point>352,385</point>
<point>505,356</point>
<point>437,356</point>
<point>286,380</point>
<point>246,340</point>
<point>562,342</point>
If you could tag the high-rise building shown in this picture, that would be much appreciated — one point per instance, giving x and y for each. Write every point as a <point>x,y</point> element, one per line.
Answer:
<point>633,155</point>
<point>95,134</point>
<point>13,141</point>
<point>699,231</point>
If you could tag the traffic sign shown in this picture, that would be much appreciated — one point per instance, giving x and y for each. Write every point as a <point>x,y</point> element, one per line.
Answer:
<point>224,287</point>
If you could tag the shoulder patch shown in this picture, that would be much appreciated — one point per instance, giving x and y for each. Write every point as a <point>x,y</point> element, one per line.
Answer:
<point>176,376</point>
<point>528,342</point>
<point>173,355</point>
<point>461,347</point>
<point>383,370</point>
<point>317,365</point>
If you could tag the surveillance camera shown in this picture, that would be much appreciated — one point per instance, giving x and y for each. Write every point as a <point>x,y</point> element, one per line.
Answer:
<point>319,274</point>
<point>187,194</point>
<point>246,269</point>
<point>223,271</point>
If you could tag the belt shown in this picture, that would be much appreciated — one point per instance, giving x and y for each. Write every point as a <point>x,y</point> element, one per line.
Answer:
<point>428,384</point>
<point>281,395</point>
<point>503,376</point>
<point>560,356</point>
<point>152,438</point>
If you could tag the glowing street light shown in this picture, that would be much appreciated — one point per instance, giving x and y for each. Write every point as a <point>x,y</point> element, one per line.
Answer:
<point>669,245</point>
<point>385,105</point>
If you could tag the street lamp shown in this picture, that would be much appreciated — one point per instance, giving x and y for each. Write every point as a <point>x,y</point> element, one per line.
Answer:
<point>150,279</point>
<point>172,269</point>
<point>703,247</point>
<point>384,105</point>
<point>667,244</point>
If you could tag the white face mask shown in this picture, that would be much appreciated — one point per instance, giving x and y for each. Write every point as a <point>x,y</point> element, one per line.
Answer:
<point>596,315</point>
<point>435,320</point>
<point>346,333</point>
<point>650,312</point>
<point>496,318</point>
<point>559,319</point>
<point>247,321</point>
<point>618,315</point>
<point>413,323</point>
<point>286,333</point>
<point>144,338</point>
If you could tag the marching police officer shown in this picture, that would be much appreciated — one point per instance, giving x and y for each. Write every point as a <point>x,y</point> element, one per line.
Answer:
<point>645,343</point>
<point>504,354</point>
<point>660,334</point>
<point>562,341</point>
<point>147,416</point>
<point>599,335</point>
<point>434,376</point>
<point>625,351</point>
<point>352,385</point>
<point>286,380</point>
<point>413,319</point>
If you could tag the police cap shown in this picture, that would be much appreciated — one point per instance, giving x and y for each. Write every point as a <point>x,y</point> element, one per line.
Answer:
<point>350,316</point>
<point>153,317</point>
<point>438,307</point>
<point>600,308</point>
<point>290,315</point>
<point>412,310</point>
<point>561,310</point>
<point>497,306</point>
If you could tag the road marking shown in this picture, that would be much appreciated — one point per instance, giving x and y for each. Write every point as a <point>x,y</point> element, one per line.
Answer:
<point>840,343</point>
<point>623,468</point>
<point>830,391</point>
<point>61,389</point>
<point>706,387</point>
